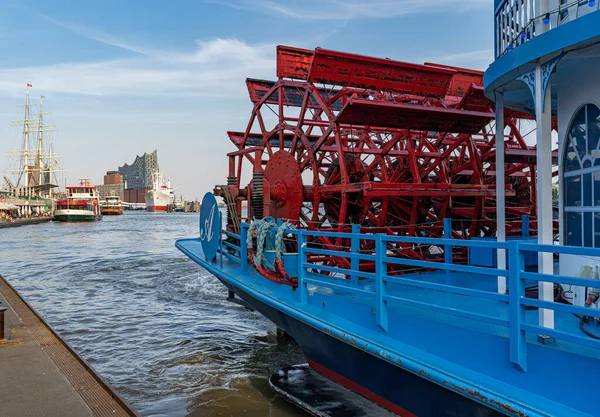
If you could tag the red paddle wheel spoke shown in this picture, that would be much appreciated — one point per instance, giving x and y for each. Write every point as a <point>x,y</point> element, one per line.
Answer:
<point>341,139</point>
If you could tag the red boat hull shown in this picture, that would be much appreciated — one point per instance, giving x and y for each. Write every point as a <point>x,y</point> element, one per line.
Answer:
<point>156,208</point>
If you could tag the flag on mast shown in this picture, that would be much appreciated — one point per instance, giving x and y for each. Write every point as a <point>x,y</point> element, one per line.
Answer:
<point>29,85</point>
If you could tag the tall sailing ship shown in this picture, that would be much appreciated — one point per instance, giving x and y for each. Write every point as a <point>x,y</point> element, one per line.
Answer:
<point>34,166</point>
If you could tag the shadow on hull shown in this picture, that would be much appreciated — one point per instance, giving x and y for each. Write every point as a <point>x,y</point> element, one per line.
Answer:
<point>387,385</point>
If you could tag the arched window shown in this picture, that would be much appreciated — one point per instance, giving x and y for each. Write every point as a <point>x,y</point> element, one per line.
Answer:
<point>581,184</point>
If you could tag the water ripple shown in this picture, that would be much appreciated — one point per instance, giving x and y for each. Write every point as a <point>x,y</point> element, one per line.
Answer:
<point>150,321</point>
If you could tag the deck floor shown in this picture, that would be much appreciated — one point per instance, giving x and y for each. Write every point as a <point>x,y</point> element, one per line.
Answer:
<point>41,376</point>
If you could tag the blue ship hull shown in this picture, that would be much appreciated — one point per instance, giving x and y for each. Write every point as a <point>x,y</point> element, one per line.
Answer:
<point>446,345</point>
<point>390,386</point>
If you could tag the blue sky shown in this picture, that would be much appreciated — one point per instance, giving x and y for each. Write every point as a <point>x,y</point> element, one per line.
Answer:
<point>125,77</point>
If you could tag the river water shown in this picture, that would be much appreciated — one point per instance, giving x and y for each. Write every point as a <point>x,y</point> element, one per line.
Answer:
<point>153,323</point>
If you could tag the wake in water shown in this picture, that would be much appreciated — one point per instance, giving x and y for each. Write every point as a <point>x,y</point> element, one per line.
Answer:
<point>153,323</point>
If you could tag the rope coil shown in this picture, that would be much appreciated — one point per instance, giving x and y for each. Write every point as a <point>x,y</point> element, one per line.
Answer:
<point>259,261</point>
<point>279,246</point>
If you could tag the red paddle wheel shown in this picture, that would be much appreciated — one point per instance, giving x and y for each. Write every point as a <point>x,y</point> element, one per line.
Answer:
<point>342,139</point>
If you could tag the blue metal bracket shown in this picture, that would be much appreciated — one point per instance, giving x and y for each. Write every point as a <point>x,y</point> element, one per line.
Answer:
<point>381,304</point>
<point>547,68</point>
<point>450,279</point>
<point>355,248</point>
<point>516,291</point>
<point>525,226</point>
<point>221,237</point>
<point>448,235</point>
<point>529,78</point>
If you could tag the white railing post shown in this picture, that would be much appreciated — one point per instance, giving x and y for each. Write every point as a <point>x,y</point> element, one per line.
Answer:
<point>543,7</point>
<point>500,189</point>
<point>543,111</point>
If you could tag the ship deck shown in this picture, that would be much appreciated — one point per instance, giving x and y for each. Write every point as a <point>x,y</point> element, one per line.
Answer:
<point>463,353</point>
<point>41,375</point>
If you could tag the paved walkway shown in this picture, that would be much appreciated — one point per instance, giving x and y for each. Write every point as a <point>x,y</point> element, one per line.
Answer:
<point>41,376</point>
<point>23,222</point>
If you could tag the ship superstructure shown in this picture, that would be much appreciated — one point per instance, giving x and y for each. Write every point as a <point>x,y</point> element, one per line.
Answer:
<point>112,205</point>
<point>81,203</point>
<point>161,196</point>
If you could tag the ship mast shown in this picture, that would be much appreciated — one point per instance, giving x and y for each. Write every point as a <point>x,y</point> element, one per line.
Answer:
<point>24,169</point>
<point>50,162</point>
<point>49,170</point>
<point>39,163</point>
<point>26,133</point>
<point>46,170</point>
<point>36,166</point>
<point>26,140</point>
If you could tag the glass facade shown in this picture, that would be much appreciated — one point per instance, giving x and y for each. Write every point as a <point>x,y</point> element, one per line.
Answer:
<point>581,183</point>
<point>138,176</point>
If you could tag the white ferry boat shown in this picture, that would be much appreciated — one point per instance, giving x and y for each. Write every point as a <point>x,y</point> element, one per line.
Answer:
<point>81,204</point>
<point>112,206</point>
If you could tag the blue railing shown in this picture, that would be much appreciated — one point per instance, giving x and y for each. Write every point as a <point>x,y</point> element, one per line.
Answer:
<point>227,247</point>
<point>518,21</point>
<point>518,301</point>
<point>349,279</point>
<point>382,275</point>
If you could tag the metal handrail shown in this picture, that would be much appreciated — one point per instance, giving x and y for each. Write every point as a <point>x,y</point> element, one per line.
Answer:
<point>518,302</point>
<point>515,21</point>
<point>381,278</point>
<point>377,291</point>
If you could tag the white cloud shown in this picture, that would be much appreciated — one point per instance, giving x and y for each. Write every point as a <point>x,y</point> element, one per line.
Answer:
<point>216,67</point>
<point>473,59</point>
<point>352,9</point>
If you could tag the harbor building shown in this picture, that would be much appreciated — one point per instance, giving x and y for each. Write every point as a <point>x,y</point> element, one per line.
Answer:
<point>135,196</point>
<point>113,177</point>
<point>191,206</point>
<point>113,186</point>
<point>138,175</point>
